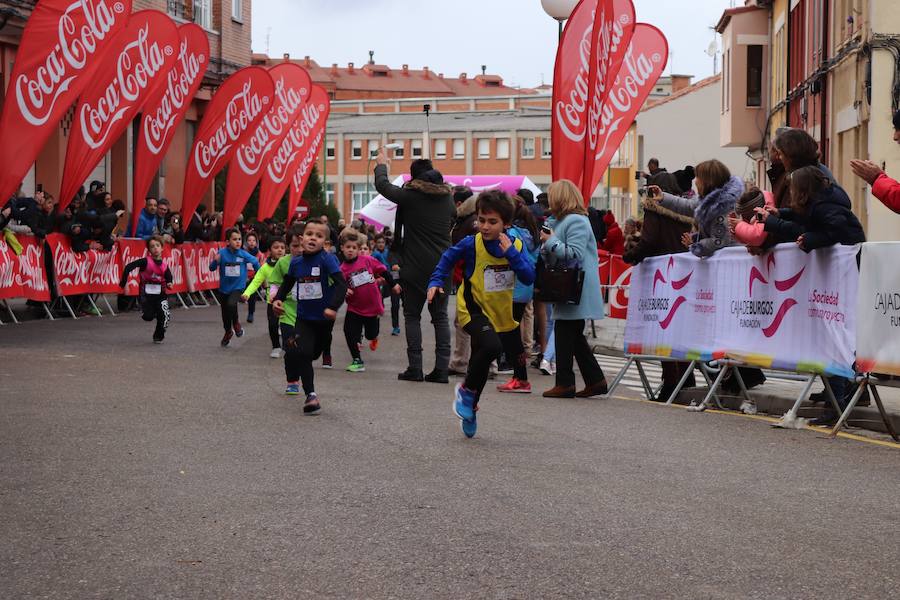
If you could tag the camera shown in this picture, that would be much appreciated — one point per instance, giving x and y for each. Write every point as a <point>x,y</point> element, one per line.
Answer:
<point>642,191</point>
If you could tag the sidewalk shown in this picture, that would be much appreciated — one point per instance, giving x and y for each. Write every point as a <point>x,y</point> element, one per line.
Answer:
<point>772,399</point>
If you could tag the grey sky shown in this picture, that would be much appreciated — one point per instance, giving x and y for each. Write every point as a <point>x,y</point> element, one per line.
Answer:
<point>514,38</point>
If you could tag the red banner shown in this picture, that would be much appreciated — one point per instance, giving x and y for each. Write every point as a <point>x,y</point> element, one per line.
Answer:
<point>301,175</point>
<point>297,149</point>
<point>61,47</point>
<point>603,259</point>
<point>23,275</point>
<point>643,65</point>
<point>197,256</point>
<point>90,272</point>
<point>235,111</point>
<point>166,108</point>
<point>292,90</point>
<point>612,34</point>
<point>620,279</point>
<point>130,71</point>
<point>131,250</point>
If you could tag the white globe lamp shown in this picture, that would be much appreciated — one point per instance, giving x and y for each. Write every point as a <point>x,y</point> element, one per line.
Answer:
<point>559,9</point>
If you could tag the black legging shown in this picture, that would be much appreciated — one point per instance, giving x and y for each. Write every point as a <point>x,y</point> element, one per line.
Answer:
<point>229,308</point>
<point>274,333</point>
<point>156,307</point>
<point>302,345</point>
<point>354,325</point>
<point>571,344</point>
<point>487,345</point>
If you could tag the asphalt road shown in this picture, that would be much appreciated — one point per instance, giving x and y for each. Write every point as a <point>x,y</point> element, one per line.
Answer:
<point>131,470</point>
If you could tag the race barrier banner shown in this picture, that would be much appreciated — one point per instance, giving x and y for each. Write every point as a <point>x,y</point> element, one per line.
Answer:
<point>23,275</point>
<point>132,249</point>
<point>620,282</point>
<point>196,258</point>
<point>878,309</point>
<point>784,310</point>
<point>91,272</point>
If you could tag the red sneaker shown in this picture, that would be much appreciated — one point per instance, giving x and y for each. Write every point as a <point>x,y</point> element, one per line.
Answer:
<point>373,345</point>
<point>514,386</point>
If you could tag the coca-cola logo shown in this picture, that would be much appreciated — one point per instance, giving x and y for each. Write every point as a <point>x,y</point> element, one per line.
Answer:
<point>175,263</point>
<point>307,162</point>
<point>310,117</point>
<point>160,122</point>
<point>570,110</point>
<point>31,268</point>
<point>90,268</point>
<point>130,252</point>
<point>7,266</point>
<point>630,85</point>
<point>80,30</point>
<point>611,37</point>
<point>242,111</point>
<point>251,154</point>
<point>137,65</point>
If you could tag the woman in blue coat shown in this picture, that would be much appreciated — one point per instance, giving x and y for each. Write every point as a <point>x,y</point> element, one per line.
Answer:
<point>572,243</point>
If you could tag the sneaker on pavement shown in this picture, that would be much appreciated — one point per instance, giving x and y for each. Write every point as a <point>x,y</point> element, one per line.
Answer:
<point>438,376</point>
<point>547,367</point>
<point>226,339</point>
<point>411,374</point>
<point>292,389</point>
<point>515,386</point>
<point>357,366</point>
<point>395,331</point>
<point>250,317</point>
<point>464,403</point>
<point>373,345</point>
<point>326,362</point>
<point>238,330</point>
<point>311,406</point>
<point>275,353</point>
<point>469,427</point>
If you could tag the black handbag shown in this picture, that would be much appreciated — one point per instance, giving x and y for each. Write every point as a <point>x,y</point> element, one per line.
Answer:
<point>558,284</point>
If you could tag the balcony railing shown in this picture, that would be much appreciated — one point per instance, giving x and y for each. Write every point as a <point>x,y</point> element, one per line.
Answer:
<point>178,9</point>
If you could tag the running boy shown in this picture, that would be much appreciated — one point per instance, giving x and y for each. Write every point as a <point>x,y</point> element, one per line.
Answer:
<point>251,245</point>
<point>232,262</point>
<point>268,276</point>
<point>364,304</point>
<point>491,264</point>
<point>155,279</point>
<point>317,285</point>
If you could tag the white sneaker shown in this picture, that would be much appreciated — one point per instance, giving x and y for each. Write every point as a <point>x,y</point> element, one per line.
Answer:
<point>547,367</point>
<point>276,353</point>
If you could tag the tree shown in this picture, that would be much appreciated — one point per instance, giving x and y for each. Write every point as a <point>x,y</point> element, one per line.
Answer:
<point>314,194</point>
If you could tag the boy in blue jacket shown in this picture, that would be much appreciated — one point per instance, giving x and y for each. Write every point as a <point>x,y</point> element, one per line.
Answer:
<point>232,264</point>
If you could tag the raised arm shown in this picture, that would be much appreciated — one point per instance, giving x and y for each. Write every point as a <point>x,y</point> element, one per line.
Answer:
<point>683,206</point>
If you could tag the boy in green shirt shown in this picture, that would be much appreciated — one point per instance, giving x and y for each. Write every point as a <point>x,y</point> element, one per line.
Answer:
<point>269,275</point>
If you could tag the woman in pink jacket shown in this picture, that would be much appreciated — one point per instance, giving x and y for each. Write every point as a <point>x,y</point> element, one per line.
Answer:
<point>745,226</point>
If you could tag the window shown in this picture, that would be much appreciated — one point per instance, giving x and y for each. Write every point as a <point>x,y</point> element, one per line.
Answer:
<point>459,148</point>
<point>527,147</point>
<point>373,148</point>
<point>356,149</point>
<point>545,147</point>
<point>361,195</point>
<point>503,148</point>
<point>416,146</point>
<point>440,148</point>
<point>176,8</point>
<point>329,193</point>
<point>329,150</point>
<point>401,151</point>
<point>203,13</point>
<point>237,10</point>
<point>754,75</point>
<point>484,148</point>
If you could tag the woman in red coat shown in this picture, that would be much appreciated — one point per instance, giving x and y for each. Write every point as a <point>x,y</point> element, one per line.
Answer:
<point>615,239</point>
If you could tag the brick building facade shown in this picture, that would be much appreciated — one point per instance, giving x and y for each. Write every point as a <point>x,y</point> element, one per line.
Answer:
<point>227,23</point>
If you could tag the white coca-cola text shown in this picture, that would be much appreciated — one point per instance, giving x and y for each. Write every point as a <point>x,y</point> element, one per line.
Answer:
<point>310,115</point>
<point>303,170</point>
<point>250,156</point>
<point>570,110</point>
<point>610,39</point>
<point>242,111</point>
<point>630,85</point>
<point>161,119</point>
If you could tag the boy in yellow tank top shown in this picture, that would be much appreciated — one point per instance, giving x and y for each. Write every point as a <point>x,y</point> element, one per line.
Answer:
<point>491,264</point>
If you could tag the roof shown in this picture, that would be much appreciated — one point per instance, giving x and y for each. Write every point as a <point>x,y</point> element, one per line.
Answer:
<point>683,92</point>
<point>524,120</point>
<point>730,12</point>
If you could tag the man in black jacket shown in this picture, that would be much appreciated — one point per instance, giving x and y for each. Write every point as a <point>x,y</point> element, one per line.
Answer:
<point>425,216</point>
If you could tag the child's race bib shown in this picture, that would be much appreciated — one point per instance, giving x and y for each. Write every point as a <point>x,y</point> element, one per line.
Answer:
<point>361,278</point>
<point>308,290</point>
<point>153,289</point>
<point>499,278</point>
<point>232,270</point>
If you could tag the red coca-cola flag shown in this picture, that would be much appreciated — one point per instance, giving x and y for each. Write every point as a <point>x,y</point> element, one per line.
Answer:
<point>587,59</point>
<point>234,112</point>
<point>612,36</point>
<point>63,42</point>
<point>292,90</point>
<point>304,170</point>
<point>643,65</point>
<point>294,151</point>
<point>620,280</point>
<point>166,108</point>
<point>129,73</point>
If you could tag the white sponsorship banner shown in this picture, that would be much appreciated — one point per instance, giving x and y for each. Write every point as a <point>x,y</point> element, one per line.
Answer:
<point>783,310</point>
<point>878,339</point>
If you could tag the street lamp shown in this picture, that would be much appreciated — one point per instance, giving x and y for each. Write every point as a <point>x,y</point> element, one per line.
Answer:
<point>559,10</point>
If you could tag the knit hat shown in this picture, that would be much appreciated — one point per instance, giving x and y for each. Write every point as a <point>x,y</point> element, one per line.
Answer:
<point>748,202</point>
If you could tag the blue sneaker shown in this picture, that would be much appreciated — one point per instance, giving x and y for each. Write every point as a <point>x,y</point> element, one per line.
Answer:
<point>464,403</point>
<point>469,427</point>
<point>292,389</point>
<point>395,331</point>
